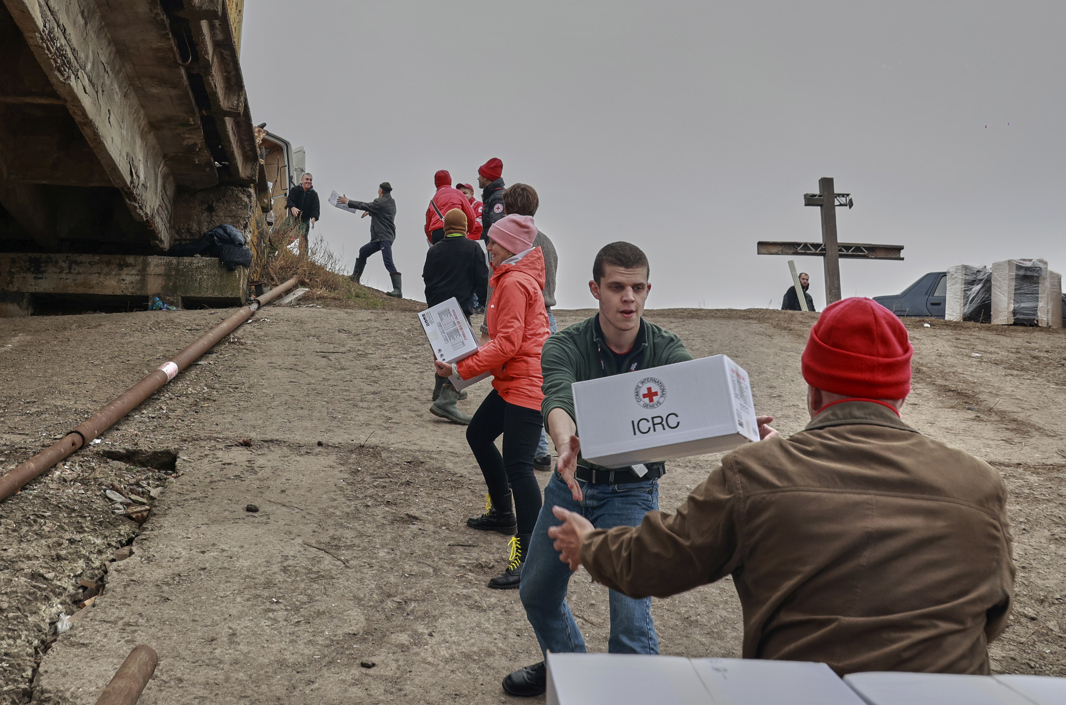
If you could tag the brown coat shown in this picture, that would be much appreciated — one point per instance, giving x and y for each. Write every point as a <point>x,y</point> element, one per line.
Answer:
<point>857,542</point>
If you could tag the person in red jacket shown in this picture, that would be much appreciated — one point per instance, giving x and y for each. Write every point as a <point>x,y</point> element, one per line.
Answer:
<point>445,199</point>
<point>518,325</point>
<point>468,191</point>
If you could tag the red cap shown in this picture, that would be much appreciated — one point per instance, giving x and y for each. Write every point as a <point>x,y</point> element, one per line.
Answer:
<point>464,186</point>
<point>492,169</point>
<point>859,348</point>
<point>442,178</point>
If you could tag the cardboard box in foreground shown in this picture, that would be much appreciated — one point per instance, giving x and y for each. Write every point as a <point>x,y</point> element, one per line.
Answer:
<point>628,679</point>
<point>673,411</point>
<point>451,337</point>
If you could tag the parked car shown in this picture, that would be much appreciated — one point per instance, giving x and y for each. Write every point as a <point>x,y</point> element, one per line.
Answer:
<point>924,297</point>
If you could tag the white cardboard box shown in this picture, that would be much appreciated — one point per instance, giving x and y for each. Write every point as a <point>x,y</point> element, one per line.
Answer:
<point>1042,690</point>
<point>623,679</point>
<point>888,688</point>
<point>753,682</point>
<point>630,679</point>
<point>451,337</point>
<point>673,411</point>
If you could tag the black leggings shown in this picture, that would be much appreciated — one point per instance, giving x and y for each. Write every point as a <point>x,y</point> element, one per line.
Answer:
<point>521,433</point>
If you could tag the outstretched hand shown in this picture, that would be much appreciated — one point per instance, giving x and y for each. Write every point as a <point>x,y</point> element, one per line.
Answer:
<point>567,536</point>
<point>567,466</point>
<point>765,429</point>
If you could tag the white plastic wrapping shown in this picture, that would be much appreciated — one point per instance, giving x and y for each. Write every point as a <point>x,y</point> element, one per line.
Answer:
<point>1025,292</point>
<point>969,293</point>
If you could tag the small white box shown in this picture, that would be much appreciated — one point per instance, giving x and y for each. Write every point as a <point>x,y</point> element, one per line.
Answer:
<point>898,688</point>
<point>451,337</point>
<point>672,411</point>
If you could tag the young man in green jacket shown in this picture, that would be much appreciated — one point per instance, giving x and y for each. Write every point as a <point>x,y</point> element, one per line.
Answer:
<point>615,340</point>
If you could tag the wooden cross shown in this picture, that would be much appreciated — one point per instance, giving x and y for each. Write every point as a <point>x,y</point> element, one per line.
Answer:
<point>828,200</point>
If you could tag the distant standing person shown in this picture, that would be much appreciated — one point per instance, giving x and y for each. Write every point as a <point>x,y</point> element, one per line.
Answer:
<point>445,199</point>
<point>790,302</point>
<point>302,204</point>
<point>382,211</point>
<point>477,206</point>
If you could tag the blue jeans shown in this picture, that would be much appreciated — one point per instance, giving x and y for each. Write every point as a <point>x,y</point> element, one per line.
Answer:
<point>386,253</point>
<point>542,447</point>
<point>545,578</point>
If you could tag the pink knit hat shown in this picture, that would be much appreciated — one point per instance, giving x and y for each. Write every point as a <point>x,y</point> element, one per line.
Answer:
<point>514,233</point>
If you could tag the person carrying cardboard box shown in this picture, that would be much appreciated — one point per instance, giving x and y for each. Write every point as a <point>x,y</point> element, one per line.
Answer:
<point>857,542</point>
<point>617,339</point>
<point>454,267</point>
<point>518,325</point>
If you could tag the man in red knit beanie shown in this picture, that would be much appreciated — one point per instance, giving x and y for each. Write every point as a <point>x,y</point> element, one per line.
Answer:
<point>858,541</point>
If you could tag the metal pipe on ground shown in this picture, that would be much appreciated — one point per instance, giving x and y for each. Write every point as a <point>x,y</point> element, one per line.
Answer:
<point>131,678</point>
<point>121,405</point>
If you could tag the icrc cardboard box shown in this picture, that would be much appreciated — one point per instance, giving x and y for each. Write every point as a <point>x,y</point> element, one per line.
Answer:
<point>451,337</point>
<point>673,411</point>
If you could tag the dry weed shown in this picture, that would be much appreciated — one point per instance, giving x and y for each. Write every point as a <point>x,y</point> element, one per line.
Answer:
<point>319,271</point>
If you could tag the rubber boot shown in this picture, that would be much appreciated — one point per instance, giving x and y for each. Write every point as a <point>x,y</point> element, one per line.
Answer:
<point>445,406</point>
<point>512,577</point>
<point>439,383</point>
<point>360,265</point>
<point>498,516</point>
<point>395,293</point>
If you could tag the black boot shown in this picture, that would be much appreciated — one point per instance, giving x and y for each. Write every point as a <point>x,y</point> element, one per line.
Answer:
<point>438,382</point>
<point>512,577</point>
<point>360,265</point>
<point>498,516</point>
<point>527,682</point>
<point>395,293</point>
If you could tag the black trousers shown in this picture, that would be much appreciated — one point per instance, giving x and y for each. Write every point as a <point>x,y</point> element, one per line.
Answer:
<point>513,469</point>
<point>436,235</point>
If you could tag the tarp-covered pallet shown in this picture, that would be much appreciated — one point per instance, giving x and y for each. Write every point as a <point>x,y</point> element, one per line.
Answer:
<point>969,294</point>
<point>1025,292</point>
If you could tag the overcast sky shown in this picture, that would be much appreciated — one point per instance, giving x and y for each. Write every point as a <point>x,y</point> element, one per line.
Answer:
<point>691,129</point>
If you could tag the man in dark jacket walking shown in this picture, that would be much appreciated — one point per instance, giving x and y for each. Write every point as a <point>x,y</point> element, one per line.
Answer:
<point>302,204</point>
<point>790,302</point>
<point>382,211</point>
<point>490,179</point>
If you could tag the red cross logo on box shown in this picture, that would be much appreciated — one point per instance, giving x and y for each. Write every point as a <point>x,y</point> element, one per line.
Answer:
<point>650,393</point>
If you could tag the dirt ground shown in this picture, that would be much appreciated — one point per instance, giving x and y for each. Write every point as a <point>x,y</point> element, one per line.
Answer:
<point>357,580</point>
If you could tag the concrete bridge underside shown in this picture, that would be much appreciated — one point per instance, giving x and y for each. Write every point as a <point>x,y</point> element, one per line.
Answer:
<point>124,125</point>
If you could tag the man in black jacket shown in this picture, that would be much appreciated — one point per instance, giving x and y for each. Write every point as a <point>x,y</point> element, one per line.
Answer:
<point>790,302</point>
<point>455,266</point>
<point>490,179</point>
<point>382,211</point>
<point>303,207</point>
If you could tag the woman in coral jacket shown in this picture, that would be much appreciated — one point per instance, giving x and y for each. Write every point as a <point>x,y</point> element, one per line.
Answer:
<point>518,326</point>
